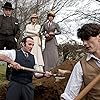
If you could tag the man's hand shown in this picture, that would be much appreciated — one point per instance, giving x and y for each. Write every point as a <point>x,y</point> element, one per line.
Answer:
<point>48,74</point>
<point>47,35</point>
<point>15,65</point>
<point>51,33</point>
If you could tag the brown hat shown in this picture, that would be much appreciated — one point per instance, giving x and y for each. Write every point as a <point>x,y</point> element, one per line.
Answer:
<point>51,13</point>
<point>34,16</point>
<point>7,5</point>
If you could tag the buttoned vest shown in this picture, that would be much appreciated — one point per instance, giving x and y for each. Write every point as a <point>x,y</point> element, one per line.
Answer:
<point>90,71</point>
<point>23,76</point>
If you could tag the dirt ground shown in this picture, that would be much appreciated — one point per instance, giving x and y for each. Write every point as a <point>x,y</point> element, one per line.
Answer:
<point>46,88</point>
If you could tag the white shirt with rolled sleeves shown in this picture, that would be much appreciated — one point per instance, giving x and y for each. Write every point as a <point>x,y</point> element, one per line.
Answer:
<point>75,81</point>
<point>12,55</point>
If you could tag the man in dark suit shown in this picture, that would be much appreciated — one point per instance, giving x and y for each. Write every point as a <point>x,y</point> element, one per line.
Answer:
<point>20,86</point>
<point>9,29</point>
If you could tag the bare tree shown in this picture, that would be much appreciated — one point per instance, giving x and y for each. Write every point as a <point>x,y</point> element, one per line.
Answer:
<point>67,12</point>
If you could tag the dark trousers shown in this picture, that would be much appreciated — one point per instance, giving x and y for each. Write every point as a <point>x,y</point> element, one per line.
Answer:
<point>18,91</point>
<point>10,43</point>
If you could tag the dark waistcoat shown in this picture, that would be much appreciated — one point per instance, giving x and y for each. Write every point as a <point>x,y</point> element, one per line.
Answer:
<point>90,71</point>
<point>22,76</point>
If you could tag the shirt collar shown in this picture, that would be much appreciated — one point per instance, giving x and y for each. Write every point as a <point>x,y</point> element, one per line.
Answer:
<point>23,51</point>
<point>50,22</point>
<point>33,24</point>
<point>89,56</point>
<point>6,16</point>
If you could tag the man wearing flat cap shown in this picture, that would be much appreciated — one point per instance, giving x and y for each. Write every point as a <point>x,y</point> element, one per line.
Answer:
<point>9,28</point>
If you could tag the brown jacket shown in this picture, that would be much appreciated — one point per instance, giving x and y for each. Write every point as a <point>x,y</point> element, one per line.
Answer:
<point>90,71</point>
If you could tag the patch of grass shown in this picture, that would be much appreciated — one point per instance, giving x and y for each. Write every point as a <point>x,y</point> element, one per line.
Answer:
<point>2,71</point>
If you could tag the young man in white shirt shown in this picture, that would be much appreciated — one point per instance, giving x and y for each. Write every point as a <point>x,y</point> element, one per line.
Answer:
<point>88,67</point>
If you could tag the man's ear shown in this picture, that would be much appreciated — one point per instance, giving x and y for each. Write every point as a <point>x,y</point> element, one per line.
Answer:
<point>99,37</point>
<point>22,44</point>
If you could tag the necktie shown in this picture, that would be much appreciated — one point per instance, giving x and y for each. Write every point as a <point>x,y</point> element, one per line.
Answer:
<point>26,54</point>
<point>49,24</point>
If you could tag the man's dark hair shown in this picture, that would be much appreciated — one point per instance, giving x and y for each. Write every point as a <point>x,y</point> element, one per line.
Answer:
<point>88,30</point>
<point>50,15</point>
<point>24,39</point>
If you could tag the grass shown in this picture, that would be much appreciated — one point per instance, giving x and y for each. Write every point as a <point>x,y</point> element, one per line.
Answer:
<point>2,71</point>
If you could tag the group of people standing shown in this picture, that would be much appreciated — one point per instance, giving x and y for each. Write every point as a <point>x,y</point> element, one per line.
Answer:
<point>29,55</point>
<point>10,32</point>
<point>49,57</point>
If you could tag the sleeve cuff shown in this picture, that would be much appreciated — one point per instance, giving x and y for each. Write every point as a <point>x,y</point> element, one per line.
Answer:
<point>65,96</point>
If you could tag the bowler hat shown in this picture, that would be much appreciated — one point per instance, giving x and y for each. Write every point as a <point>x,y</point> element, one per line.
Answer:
<point>7,5</point>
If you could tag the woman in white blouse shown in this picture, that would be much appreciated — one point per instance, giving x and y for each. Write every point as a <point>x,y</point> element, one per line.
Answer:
<point>32,30</point>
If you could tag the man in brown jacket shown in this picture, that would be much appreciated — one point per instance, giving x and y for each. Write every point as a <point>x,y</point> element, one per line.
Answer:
<point>89,67</point>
